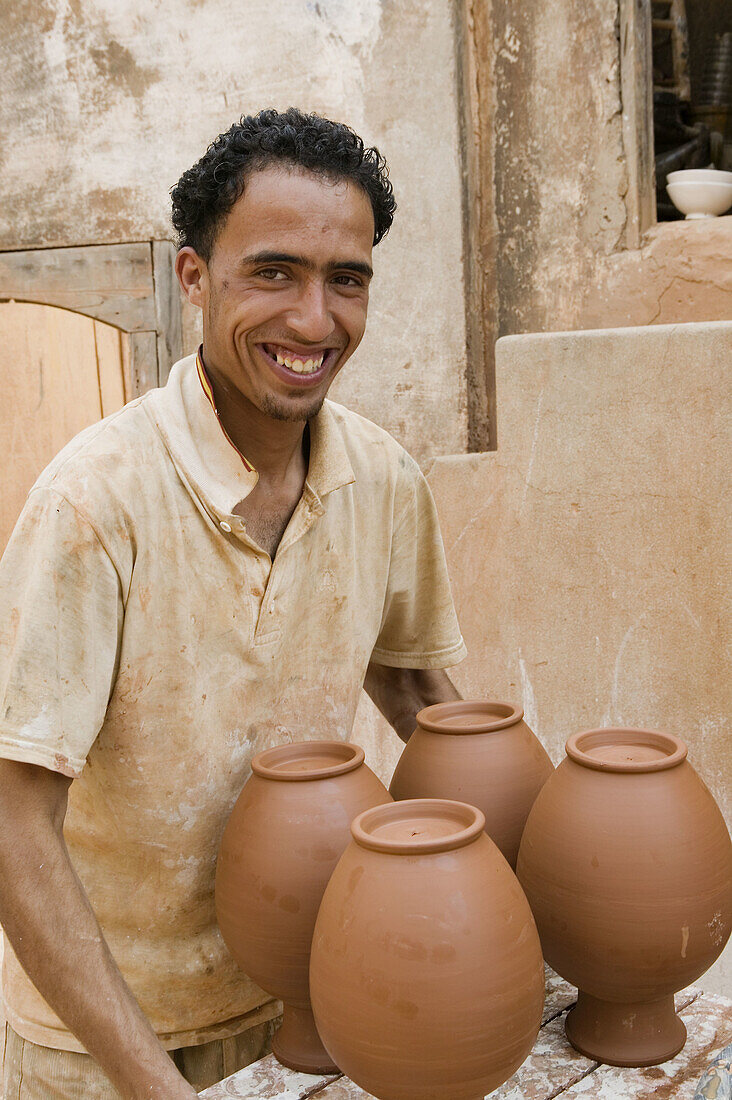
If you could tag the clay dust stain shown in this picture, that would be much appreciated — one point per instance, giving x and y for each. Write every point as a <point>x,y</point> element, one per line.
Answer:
<point>354,878</point>
<point>115,61</point>
<point>408,949</point>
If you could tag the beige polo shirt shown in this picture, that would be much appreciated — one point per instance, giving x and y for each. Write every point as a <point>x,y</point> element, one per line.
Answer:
<point>148,648</point>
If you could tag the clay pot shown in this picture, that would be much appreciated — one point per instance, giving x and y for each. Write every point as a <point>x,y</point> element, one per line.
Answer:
<point>426,974</point>
<point>285,835</point>
<point>477,752</point>
<point>627,864</point>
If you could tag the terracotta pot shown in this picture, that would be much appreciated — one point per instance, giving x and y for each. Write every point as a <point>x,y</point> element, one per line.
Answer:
<point>477,752</point>
<point>627,864</point>
<point>285,835</point>
<point>426,973</point>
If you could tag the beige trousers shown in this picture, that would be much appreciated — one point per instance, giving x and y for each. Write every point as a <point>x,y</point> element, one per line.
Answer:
<point>33,1072</point>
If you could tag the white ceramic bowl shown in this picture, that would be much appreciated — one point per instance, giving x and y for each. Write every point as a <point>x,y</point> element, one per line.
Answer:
<point>702,198</point>
<point>699,175</point>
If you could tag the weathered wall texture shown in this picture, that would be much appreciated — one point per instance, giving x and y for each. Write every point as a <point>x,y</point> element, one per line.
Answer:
<point>559,165</point>
<point>106,102</point>
<point>682,273</point>
<point>590,555</point>
<point>551,173</point>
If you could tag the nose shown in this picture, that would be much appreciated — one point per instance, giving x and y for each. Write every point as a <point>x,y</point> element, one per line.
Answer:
<point>311,318</point>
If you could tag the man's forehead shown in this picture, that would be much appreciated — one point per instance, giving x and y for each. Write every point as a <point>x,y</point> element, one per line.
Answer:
<point>279,202</point>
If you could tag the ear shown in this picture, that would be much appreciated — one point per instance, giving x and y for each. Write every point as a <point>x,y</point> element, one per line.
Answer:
<point>192,273</point>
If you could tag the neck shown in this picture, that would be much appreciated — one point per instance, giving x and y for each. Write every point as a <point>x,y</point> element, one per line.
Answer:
<point>271,446</point>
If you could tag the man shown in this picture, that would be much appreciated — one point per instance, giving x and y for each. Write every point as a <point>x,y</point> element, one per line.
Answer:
<point>217,568</point>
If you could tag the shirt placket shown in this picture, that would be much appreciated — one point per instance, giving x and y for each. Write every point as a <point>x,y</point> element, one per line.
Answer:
<point>269,620</point>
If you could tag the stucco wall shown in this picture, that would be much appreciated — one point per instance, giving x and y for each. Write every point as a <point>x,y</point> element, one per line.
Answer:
<point>559,173</point>
<point>555,193</point>
<point>589,555</point>
<point>106,102</point>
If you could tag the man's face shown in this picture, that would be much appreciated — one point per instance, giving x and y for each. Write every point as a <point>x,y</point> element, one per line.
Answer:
<point>285,291</point>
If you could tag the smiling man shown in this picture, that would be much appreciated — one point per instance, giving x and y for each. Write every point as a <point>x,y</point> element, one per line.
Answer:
<point>219,567</point>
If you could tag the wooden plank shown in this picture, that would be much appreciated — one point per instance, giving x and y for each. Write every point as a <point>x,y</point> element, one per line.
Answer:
<point>48,373</point>
<point>474,54</point>
<point>708,1022</point>
<point>140,357</point>
<point>167,308</point>
<point>110,366</point>
<point>112,283</point>
<point>636,89</point>
<point>269,1080</point>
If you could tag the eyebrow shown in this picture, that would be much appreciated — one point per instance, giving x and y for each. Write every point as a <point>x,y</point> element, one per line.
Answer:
<point>270,257</point>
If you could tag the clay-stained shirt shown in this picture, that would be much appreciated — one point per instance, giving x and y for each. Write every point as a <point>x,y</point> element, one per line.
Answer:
<point>148,648</point>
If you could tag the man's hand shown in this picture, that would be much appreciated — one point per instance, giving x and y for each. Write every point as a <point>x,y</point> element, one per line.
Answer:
<point>400,692</point>
<point>57,939</point>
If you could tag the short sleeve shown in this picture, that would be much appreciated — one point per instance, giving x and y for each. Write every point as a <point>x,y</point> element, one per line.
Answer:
<point>61,617</point>
<point>419,627</point>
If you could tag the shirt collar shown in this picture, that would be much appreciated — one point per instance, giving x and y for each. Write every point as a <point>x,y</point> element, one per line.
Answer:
<point>208,390</point>
<point>185,414</point>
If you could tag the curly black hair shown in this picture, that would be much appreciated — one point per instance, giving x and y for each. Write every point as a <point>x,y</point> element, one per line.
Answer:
<point>204,195</point>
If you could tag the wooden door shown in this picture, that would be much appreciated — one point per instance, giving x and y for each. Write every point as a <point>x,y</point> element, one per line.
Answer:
<point>59,372</point>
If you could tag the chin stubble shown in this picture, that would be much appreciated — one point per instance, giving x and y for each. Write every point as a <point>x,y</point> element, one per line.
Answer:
<point>280,411</point>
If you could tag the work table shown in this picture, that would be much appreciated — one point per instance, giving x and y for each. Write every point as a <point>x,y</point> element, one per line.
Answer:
<point>554,1069</point>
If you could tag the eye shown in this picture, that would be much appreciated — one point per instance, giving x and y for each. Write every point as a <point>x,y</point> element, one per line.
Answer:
<point>348,280</point>
<point>273,274</point>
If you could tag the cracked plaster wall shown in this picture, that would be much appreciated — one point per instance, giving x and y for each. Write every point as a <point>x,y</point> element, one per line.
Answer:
<point>560,181</point>
<point>560,172</point>
<point>106,102</point>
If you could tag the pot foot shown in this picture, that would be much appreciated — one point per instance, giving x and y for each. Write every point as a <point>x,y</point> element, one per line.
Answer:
<point>632,1034</point>
<point>298,1046</point>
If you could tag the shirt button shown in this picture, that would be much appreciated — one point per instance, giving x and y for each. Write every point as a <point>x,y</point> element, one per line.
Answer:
<point>225,526</point>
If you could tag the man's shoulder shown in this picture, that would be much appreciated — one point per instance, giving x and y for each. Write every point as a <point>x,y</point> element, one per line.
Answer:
<point>367,443</point>
<point>109,460</point>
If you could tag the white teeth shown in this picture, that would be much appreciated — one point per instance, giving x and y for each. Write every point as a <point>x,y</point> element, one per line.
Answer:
<point>299,366</point>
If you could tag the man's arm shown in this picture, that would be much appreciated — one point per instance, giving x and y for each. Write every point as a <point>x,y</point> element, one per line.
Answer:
<point>400,692</point>
<point>57,939</point>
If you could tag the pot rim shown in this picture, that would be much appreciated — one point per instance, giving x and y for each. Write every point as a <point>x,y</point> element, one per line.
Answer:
<point>433,718</point>
<point>578,744</point>
<point>272,763</point>
<point>469,821</point>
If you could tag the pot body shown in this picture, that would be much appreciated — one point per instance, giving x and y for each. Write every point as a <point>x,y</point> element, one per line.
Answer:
<point>285,835</point>
<point>627,864</point>
<point>427,979</point>
<point>478,752</point>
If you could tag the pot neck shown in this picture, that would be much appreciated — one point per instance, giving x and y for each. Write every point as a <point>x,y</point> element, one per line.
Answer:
<point>418,826</point>
<point>307,760</point>
<point>466,716</point>
<point>619,749</point>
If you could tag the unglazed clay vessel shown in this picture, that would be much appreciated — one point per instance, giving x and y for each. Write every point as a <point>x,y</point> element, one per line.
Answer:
<point>426,973</point>
<point>285,835</point>
<point>478,752</point>
<point>627,865</point>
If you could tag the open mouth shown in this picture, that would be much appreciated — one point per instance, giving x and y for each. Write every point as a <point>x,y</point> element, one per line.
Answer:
<point>299,366</point>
